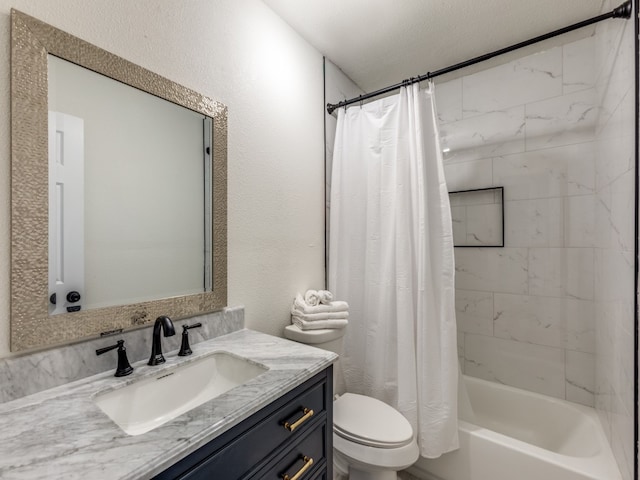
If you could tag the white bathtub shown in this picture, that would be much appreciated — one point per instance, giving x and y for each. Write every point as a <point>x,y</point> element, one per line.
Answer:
<point>515,434</point>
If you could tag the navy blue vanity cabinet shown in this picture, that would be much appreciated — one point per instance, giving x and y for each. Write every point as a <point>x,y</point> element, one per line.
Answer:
<point>291,434</point>
<point>305,458</point>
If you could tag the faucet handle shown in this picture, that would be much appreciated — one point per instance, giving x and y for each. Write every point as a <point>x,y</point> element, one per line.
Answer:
<point>124,367</point>
<point>185,349</point>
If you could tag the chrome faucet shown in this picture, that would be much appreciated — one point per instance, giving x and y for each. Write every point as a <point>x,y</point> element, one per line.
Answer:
<point>165,324</point>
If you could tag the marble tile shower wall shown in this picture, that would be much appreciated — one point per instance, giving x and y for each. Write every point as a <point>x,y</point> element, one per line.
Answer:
<point>526,312</point>
<point>614,235</point>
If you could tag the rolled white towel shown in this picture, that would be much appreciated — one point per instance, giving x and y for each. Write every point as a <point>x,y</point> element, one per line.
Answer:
<point>318,324</point>
<point>337,306</point>
<point>325,296</point>
<point>314,317</point>
<point>311,298</point>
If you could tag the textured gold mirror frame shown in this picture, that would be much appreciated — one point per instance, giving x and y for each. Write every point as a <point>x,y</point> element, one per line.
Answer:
<point>31,325</point>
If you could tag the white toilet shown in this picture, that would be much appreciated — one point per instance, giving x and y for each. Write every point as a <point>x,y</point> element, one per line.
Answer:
<point>371,440</point>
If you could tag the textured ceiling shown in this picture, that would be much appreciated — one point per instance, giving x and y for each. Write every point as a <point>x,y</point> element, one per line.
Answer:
<point>381,42</point>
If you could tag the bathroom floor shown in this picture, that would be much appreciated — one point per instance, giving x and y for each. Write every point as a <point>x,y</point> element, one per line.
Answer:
<point>401,476</point>
<point>406,476</point>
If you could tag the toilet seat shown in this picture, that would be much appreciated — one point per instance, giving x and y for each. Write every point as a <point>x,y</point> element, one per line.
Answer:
<point>370,422</point>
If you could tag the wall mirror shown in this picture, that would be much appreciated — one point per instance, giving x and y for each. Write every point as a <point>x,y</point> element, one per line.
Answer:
<point>118,192</point>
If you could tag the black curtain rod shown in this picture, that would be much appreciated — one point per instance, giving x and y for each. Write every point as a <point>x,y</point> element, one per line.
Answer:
<point>623,11</point>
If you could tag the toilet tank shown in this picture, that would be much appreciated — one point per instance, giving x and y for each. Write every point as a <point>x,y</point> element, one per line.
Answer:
<point>326,339</point>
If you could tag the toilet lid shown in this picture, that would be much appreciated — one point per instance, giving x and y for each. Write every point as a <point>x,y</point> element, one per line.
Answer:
<point>369,421</point>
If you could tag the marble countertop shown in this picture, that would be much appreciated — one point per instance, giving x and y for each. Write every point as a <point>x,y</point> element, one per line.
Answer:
<point>61,433</point>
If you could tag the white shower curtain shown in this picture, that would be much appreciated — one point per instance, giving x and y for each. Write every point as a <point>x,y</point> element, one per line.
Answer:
<point>391,258</point>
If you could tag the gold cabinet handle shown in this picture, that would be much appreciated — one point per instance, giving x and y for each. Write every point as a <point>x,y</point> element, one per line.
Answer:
<point>307,415</point>
<point>308,461</point>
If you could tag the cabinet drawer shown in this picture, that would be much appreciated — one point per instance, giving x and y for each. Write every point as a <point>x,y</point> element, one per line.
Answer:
<point>307,455</point>
<point>251,448</point>
<point>321,475</point>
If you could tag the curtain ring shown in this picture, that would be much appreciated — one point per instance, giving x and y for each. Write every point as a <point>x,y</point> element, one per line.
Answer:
<point>360,97</point>
<point>430,81</point>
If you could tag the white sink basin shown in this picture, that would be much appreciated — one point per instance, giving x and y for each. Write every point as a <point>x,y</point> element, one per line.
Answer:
<point>147,404</point>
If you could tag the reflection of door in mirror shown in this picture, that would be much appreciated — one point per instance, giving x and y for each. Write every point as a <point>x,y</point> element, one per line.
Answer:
<point>143,230</point>
<point>66,213</point>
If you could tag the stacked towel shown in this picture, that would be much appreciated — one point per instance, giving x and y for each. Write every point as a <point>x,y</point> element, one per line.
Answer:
<point>326,297</point>
<point>311,298</point>
<point>318,324</point>
<point>301,306</point>
<point>315,297</point>
<point>317,310</point>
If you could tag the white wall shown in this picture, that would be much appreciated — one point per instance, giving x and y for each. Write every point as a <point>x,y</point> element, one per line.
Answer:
<point>243,55</point>
<point>337,87</point>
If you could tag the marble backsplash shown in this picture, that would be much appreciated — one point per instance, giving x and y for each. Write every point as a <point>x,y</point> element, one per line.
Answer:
<point>33,372</point>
